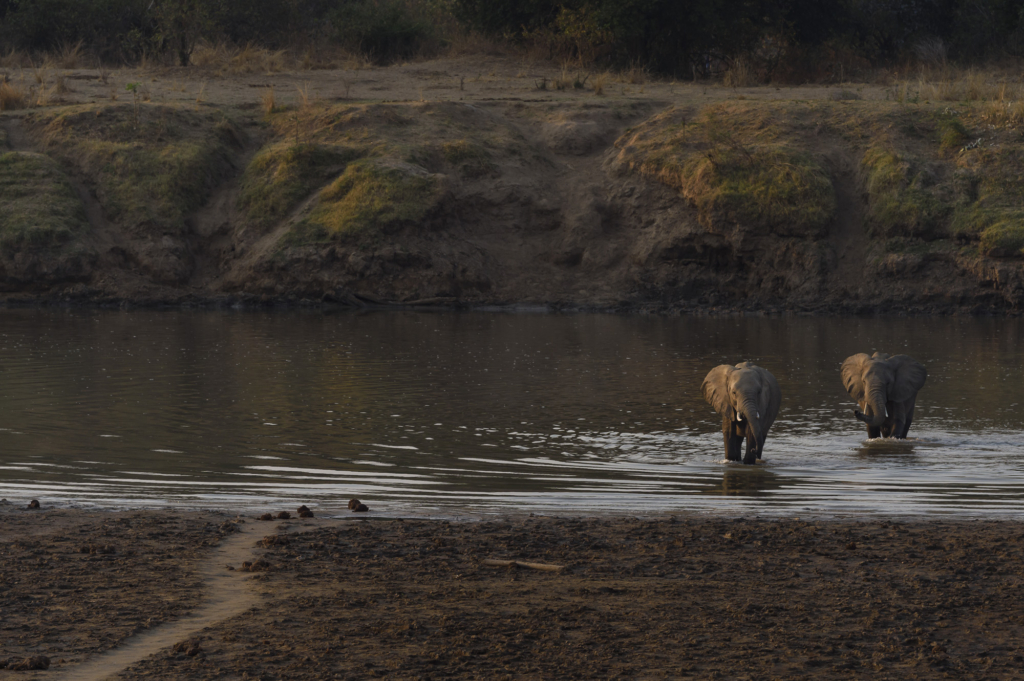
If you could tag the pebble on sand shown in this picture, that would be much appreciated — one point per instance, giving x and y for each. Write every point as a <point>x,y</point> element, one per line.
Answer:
<point>34,503</point>
<point>284,515</point>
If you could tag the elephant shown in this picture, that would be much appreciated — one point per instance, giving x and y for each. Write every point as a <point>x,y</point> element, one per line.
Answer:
<point>885,387</point>
<point>748,398</point>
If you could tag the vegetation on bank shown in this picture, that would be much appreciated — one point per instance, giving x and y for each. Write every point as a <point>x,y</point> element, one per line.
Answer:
<point>39,208</point>
<point>788,40</point>
<point>151,167</point>
<point>737,168</point>
<point>343,172</point>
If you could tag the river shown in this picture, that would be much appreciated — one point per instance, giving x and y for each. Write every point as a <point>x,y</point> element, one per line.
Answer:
<point>469,414</point>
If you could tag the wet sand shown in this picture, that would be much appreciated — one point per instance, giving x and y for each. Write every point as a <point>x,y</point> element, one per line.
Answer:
<point>149,595</point>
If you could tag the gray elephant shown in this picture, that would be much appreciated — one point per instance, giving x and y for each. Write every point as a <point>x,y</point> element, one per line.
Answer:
<point>885,388</point>
<point>748,399</point>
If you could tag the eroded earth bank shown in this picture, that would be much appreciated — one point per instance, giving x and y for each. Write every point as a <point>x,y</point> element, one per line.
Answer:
<point>475,182</point>
<point>135,595</point>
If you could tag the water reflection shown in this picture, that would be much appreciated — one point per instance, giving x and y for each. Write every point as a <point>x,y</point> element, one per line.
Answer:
<point>420,412</point>
<point>753,481</point>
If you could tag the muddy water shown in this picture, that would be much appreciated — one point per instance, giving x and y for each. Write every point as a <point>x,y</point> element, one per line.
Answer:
<point>451,413</point>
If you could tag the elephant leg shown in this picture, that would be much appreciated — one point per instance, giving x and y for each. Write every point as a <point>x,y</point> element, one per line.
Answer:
<point>732,444</point>
<point>899,426</point>
<point>874,432</point>
<point>753,452</point>
<point>908,417</point>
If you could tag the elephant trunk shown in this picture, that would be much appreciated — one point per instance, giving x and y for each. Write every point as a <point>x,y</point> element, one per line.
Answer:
<point>752,416</point>
<point>876,409</point>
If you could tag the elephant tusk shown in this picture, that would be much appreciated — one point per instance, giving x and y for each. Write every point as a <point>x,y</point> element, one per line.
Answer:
<point>758,414</point>
<point>886,411</point>
<point>739,416</point>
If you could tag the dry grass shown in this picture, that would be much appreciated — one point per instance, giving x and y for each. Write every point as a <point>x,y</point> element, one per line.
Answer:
<point>247,59</point>
<point>739,75</point>
<point>305,99</point>
<point>12,97</point>
<point>60,85</point>
<point>950,85</point>
<point>599,82</point>
<point>67,56</point>
<point>268,101</point>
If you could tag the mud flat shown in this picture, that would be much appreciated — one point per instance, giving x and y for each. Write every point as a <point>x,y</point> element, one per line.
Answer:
<point>147,595</point>
<point>470,182</point>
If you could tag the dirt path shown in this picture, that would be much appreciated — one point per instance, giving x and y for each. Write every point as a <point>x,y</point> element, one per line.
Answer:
<point>228,593</point>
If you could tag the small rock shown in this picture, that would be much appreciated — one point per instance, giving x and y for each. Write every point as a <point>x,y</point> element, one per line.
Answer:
<point>274,540</point>
<point>267,516</point>
<point>230,567</point>
<point>34,504</point>
<point>304,512</point>
<point>190,647</point>
<point>37,662</point>
<point>361,508</point>
<point>284,515</point>
<point>352,503</point>
<point>852,546</point>
<point>255,566</point>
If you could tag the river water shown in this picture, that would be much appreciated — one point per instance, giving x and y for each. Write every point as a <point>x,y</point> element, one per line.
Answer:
<point>477,413</point>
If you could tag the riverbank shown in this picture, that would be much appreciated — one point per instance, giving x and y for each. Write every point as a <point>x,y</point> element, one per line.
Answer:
<point>480,182</point>
<point>677,596</point>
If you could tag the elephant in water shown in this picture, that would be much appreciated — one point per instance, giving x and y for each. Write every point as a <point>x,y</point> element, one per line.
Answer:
<point>885,388</point>
<point>748,399</point>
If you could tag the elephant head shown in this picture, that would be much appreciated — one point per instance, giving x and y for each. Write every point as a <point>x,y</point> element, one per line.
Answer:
<point>881,383</point>
<point>748,399</point>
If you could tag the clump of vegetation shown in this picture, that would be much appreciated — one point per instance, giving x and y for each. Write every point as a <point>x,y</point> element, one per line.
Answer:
<point>953,135</point>
<point>372,196</point>
<point>899,201</point>
<point>283,174</point>
<point>736,170</point>
<point>12,97</point>
<point>991,213</point>
<point>38,206</point>
<point>149,175</point>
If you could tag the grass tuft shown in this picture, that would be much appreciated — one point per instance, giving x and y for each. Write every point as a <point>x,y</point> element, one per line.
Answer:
<point>283,174</point>
<point>736,169</point>
<point>899,204</point>
<point>38,206</point>
<point>12,97</point>
<point>148,177</point>
<point>370,196</point>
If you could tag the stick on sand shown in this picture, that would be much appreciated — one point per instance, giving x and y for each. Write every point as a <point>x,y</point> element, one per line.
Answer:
<point>519,563</point>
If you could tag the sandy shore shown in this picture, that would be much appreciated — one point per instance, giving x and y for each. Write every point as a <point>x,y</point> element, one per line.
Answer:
<point>160,595</point>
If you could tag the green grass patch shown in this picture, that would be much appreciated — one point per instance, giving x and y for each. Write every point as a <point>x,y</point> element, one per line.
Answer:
<point>737,169</point>
<point>149,176</point>
<point>992,212</point>
<point>283,174</point>
<point>38,206</point>
<point>899,201</point>
<point>953,135</point>
<point>370,198</point>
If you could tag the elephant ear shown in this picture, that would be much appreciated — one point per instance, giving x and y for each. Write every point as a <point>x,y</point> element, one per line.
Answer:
<point>852,370</point>
<point>715,389</point>
<point>771,397</point>
<point>909,377</point>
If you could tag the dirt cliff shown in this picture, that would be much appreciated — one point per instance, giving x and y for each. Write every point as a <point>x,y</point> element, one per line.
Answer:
<point>510,190</point>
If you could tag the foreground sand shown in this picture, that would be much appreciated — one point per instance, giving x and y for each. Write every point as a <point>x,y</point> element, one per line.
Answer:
<point>108,595</point>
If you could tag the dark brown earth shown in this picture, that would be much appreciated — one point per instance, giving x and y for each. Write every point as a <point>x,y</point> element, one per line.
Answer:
<point>744,598</point>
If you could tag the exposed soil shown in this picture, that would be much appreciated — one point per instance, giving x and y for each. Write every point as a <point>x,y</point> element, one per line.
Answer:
<point>704,597</point>
<point>554,218</point>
